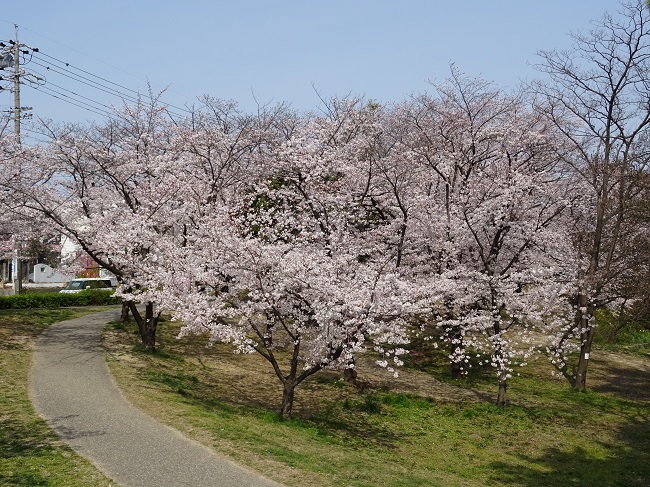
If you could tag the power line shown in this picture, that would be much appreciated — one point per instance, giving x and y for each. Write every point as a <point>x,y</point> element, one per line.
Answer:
<point>88,82</point>
<point>93,81</point>
<point>41,54</point>
<point>66,98</point>
<point>88,73</point>
<point>82,53</point>
<point>63,71</point>
<point>103,106</point>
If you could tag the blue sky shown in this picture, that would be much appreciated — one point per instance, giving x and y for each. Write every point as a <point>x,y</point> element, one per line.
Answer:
<point>270,51</point>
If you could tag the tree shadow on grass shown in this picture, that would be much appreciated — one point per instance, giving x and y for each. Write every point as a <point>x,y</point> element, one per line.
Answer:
<point>23,479</point>
<point>626,464</point>
<point>351,428</point>
<point>627,382</point>
<point>18,440</point>
<point>353,431</point>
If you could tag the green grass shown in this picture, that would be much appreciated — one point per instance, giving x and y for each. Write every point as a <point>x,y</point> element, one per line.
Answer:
<point>30,453</point>
<point>424,429</point>
<point>415,431</point>
<point>635,340</point>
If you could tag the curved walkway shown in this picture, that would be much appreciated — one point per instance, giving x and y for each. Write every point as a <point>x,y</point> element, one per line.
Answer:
<point>72,389</point>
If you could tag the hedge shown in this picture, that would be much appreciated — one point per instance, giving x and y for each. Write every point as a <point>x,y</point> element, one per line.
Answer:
<point>90,297</point>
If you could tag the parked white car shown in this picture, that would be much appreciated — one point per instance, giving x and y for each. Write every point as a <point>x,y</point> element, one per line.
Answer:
<point>83,283</point>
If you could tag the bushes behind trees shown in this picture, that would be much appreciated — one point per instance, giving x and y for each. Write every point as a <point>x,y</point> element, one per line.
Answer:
<point>58,300</point>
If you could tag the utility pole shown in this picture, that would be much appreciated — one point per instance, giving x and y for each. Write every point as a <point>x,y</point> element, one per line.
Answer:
<point>17,88</point>
<point>10,59</point>
<point>6,61</point>
<point>16,264</point>
<point>16,275</point>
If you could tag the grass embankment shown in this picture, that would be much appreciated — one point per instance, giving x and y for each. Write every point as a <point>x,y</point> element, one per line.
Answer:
<point>418,430</point>
<point>30,453</point>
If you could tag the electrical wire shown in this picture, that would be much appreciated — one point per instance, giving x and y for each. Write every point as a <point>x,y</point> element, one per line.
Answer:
<point>105,85</point>
<point>41,54</point>
<point>102,105</point>
<point>79,52</point>
<point>124,97</point>
<point>90,83</point>
<point>66,98</point>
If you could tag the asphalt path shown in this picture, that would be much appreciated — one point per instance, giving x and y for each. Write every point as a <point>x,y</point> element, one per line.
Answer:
<point>71,387</point>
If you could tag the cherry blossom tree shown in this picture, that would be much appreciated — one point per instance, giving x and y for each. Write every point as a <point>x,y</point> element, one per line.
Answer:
<point>299,280</point>
<point>598,97</point>
<point>111,188</point>
<point>216,154</point>
<point>21,238</point>
<point>312,238</point>
<point>137,183</point>
<point>490,257</point>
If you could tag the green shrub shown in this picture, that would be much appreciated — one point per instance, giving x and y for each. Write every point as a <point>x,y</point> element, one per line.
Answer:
<point>89,297</point>
<point>621,329</point>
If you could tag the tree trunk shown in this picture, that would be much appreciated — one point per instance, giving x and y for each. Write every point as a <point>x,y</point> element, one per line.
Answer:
<point>501,396</point>
<point>499,358</point>
<point>586,340</point>
<point>124,316</point>
<point>350,372</point>
<point>288,393</point>
<point>456,370</point>
<point>350,376</point>
<point>147,326</point>
<point>456,343</point>
<point>580,383</point>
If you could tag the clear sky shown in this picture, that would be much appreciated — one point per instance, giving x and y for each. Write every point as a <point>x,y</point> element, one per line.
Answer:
<point>270,51</point>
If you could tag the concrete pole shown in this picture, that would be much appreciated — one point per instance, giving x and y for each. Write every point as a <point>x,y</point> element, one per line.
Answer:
<point>17,88</point>
<point>17,283</point>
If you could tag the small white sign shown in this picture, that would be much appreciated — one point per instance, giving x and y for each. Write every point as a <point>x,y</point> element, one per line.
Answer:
<point>586,356</point>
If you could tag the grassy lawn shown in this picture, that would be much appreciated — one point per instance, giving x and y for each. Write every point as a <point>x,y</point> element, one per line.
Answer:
<point>423,429</point>
<point>30,453</point>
